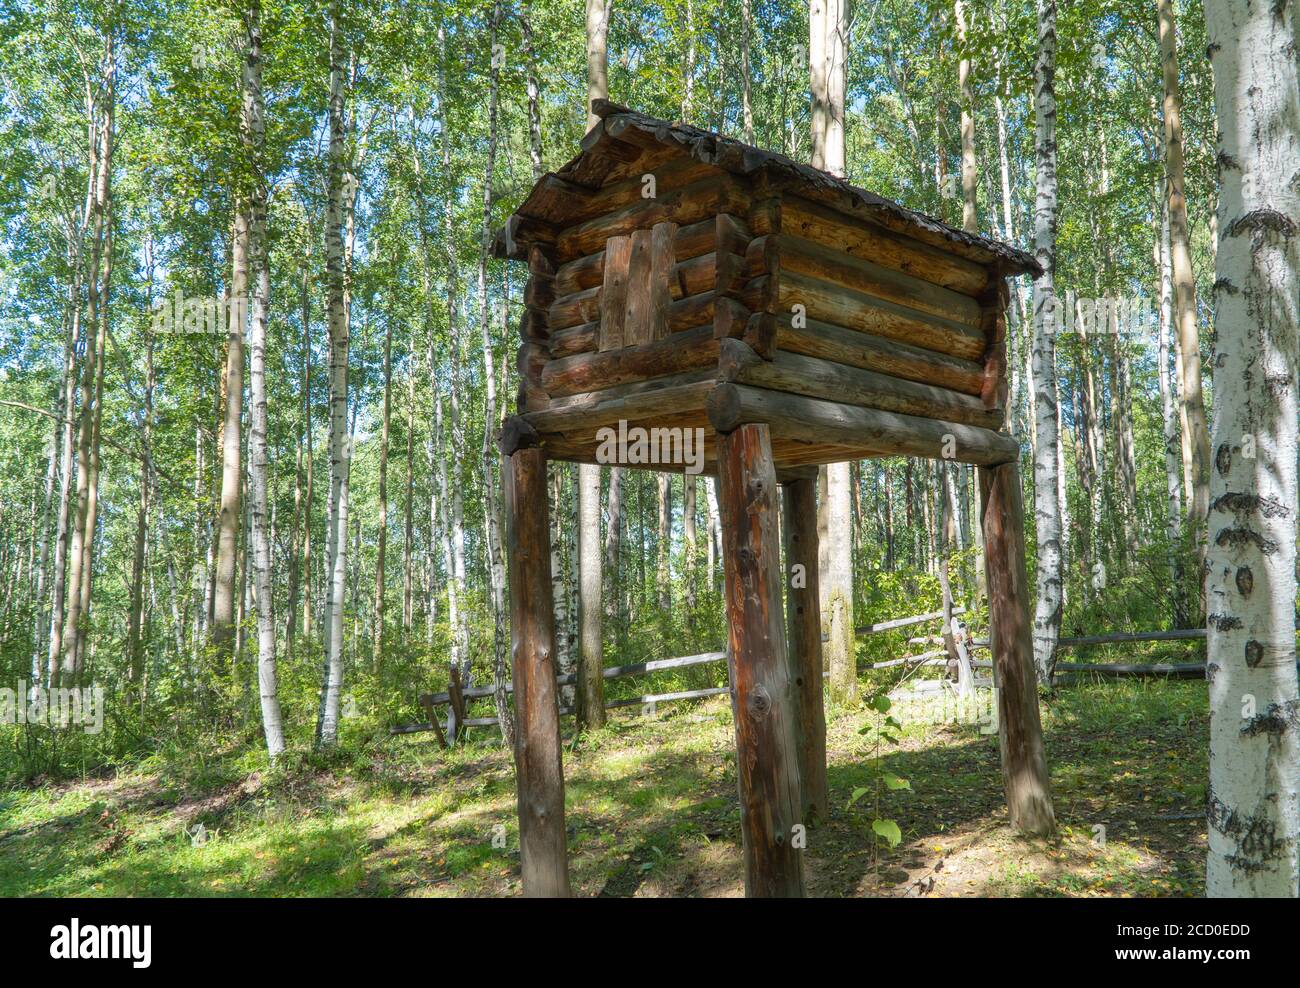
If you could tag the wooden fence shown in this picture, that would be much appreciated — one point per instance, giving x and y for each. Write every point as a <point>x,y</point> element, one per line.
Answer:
<point>455,697</point>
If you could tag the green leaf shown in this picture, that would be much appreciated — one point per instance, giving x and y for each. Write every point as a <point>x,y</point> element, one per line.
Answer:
<point>857,794</point>
<point>895,782</point>
<point>888,830</point>
<point>880,703</point>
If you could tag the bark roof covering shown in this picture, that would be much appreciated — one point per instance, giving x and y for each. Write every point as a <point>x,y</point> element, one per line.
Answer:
<point>590,165</point>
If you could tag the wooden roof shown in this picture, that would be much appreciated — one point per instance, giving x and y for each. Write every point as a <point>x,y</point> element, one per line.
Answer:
<point>605,146</point>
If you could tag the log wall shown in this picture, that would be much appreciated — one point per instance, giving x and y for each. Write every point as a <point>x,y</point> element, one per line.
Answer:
<point>753,286</point>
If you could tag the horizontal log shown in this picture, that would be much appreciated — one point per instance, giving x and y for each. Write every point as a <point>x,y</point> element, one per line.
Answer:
<point>826,302</point>
<point>589,399</point>
<point>582,204</point>
<point>874,431</point>
<point>1178,634</point>
<point>831,264</point>
<point>684,207</point>
<point>636,701</point>
<point>813,221</point>
<point>817,378</point>
<point>1192,670</point>
<point>722,233</point>
<point>925,658</point>
<point>641,701</point>
<point>584,372</point>
<point>857,349</point>
<point>695,276</point>
<point>904,622</point>
<point>577,339</point>
<point>612,672</point>
<point>657,404</point>
<point>574,310</point>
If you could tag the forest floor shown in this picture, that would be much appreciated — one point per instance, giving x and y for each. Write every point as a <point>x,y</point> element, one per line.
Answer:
<point>651,811</point>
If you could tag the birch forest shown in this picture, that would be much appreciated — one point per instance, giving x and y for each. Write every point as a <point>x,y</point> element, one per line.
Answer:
<point>258,343</point>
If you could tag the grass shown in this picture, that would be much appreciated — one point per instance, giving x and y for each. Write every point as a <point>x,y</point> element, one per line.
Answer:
<point>651,811</point>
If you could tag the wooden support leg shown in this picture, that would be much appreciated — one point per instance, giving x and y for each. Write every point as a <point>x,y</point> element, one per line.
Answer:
<point>538,770</point>
<point>804,639</point>
<point>1020,732</point>
<point>763,697</point>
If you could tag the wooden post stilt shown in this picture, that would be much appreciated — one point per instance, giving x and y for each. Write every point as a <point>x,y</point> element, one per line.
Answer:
<point>1020,731</point>
<point>763,698</point>
<point>538,768</point>
<point>804,639</point>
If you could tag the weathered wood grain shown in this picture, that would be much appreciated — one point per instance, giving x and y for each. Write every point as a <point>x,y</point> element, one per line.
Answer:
<point>538,768</point>
<point>1020,732</point>
<point>690,350</point>
<point>613,292</point>
<point>880,432</point>
<point>804,639</point>
<point>763,697</point>
<point>817,378</point>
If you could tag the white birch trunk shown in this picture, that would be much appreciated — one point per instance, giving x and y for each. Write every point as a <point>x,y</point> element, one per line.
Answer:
<point>1251,554</point>
<point>491,488</point>
<point>259,457</point>
<point>1047,503</point>
<point>340,441</point>
<point>1168,399</point>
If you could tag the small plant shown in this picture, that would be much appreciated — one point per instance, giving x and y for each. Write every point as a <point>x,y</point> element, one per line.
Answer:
<point>881,731</point>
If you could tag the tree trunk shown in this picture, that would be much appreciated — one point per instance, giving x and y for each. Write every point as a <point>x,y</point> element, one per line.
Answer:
<point>491,489</point>
<point>1047,506</point>
<point>663,544</point>
<point>591,703</point>
<point>1184,279</point>
<point>381,543</point>
<point>232,477</point>
<point>746,80</point>
<point>340,180</point>
<point>1173,443</point>
<point>969,214</point>
<point>258,453</point>
<point>1252,799</point>
<point>827,52</point>
<point>534,91</point>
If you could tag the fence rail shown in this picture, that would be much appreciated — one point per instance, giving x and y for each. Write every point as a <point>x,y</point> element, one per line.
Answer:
<point>456,696</point>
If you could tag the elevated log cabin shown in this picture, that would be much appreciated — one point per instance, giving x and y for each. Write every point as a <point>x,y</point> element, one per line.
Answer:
<point>681,279</point>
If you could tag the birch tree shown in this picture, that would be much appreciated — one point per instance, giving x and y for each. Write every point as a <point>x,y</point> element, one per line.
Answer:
<point>491,489</point>
<point>1189,343</point>
<point>1047,506</point>
<point>1169,416</point>
<point>229,514</point>
<point>1250,564</point>
<point>827,27</point>
<point>591,698</point>
<point>254,125</point>
<point>336,551</point>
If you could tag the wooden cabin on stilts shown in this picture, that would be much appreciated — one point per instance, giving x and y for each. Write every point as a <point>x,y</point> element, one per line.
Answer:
<point>679,279</point>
